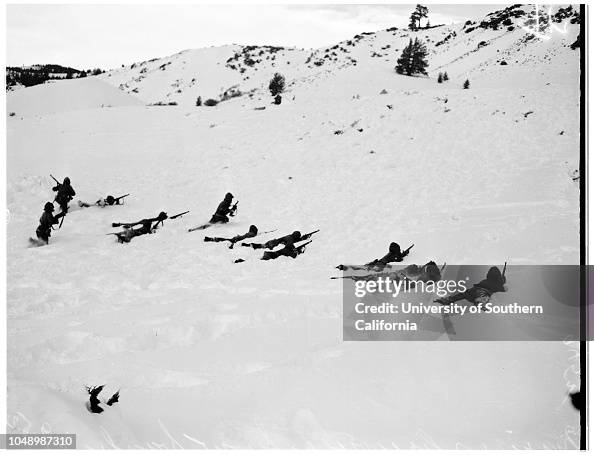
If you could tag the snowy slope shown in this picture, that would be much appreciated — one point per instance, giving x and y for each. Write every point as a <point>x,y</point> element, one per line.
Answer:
<point>464,50</point>
<point>211,353</point>
<point>67,95</point>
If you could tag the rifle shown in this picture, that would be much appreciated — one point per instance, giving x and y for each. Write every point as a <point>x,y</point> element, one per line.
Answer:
<point>259,233</point>
<point>301,248</point>
<point>178,215</point>
<point>61,215</point>
<point>234,242</point>
<point>121,197</point>
<point>233,209</point>
<point>266,232</point>
<point>405,252</point>
<point>354,277</point>
<point>308,235</point>
<point>55,180</point>
<point>147,220</point>
<point>503,274</point>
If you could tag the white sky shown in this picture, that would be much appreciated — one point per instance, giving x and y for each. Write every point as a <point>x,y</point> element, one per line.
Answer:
<point>87,36</point>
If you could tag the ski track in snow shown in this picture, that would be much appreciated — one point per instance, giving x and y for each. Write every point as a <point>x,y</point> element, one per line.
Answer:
<point>209,353</point>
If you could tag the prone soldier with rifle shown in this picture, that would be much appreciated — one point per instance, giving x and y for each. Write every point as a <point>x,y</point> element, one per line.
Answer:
<point>412,272</point>
<point>65,193</point>
<point>146,226</point>
<point>104,202</point>
<point>285,240</point>
<point>481,292</point>
<point>394,255</point>
<point>289,250</point>
<point>253,232</point>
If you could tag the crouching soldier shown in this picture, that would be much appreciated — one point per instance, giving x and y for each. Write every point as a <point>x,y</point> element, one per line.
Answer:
<point>224,210</point>
<point>64,195</point>
<point>480,293</point>
<point>253,231</point>
<point>46,222</point>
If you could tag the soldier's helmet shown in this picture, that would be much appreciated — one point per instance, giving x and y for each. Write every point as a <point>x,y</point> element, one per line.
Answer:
<point>110,199</point>
<point>394,248</point>
<point>228,196</point>
<point>296,235</point>
<point>162,216</point>
<point>67,181</point>
<point>432,271</point>
<point>494,275</point>
<point>253,228</point>
<point>48,207</point>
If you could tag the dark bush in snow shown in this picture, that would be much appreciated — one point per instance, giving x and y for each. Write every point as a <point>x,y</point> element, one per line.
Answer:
<point>211,102</point>
<point>277,84</point>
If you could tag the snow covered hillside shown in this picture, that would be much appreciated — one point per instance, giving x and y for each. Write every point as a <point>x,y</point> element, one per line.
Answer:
<point>464,50</point>
<point>71,95</point>
<point>209,353</point>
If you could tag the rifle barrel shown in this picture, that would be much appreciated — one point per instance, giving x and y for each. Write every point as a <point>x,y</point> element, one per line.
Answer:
<point>178,215</point>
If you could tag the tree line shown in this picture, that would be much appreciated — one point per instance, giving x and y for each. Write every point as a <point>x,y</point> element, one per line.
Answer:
<point>38,74</point>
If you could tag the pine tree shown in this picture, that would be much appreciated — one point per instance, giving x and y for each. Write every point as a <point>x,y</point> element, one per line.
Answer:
<point>439,78</point>
<point>277,84</point>
<point>404,63</point>
<point>419,63</point>
<point>414,18</point>
<point>466,84</point>
<point>419,13</point>
<point>446,77</point>
<point>412,60</point>
<point>422,12</point>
